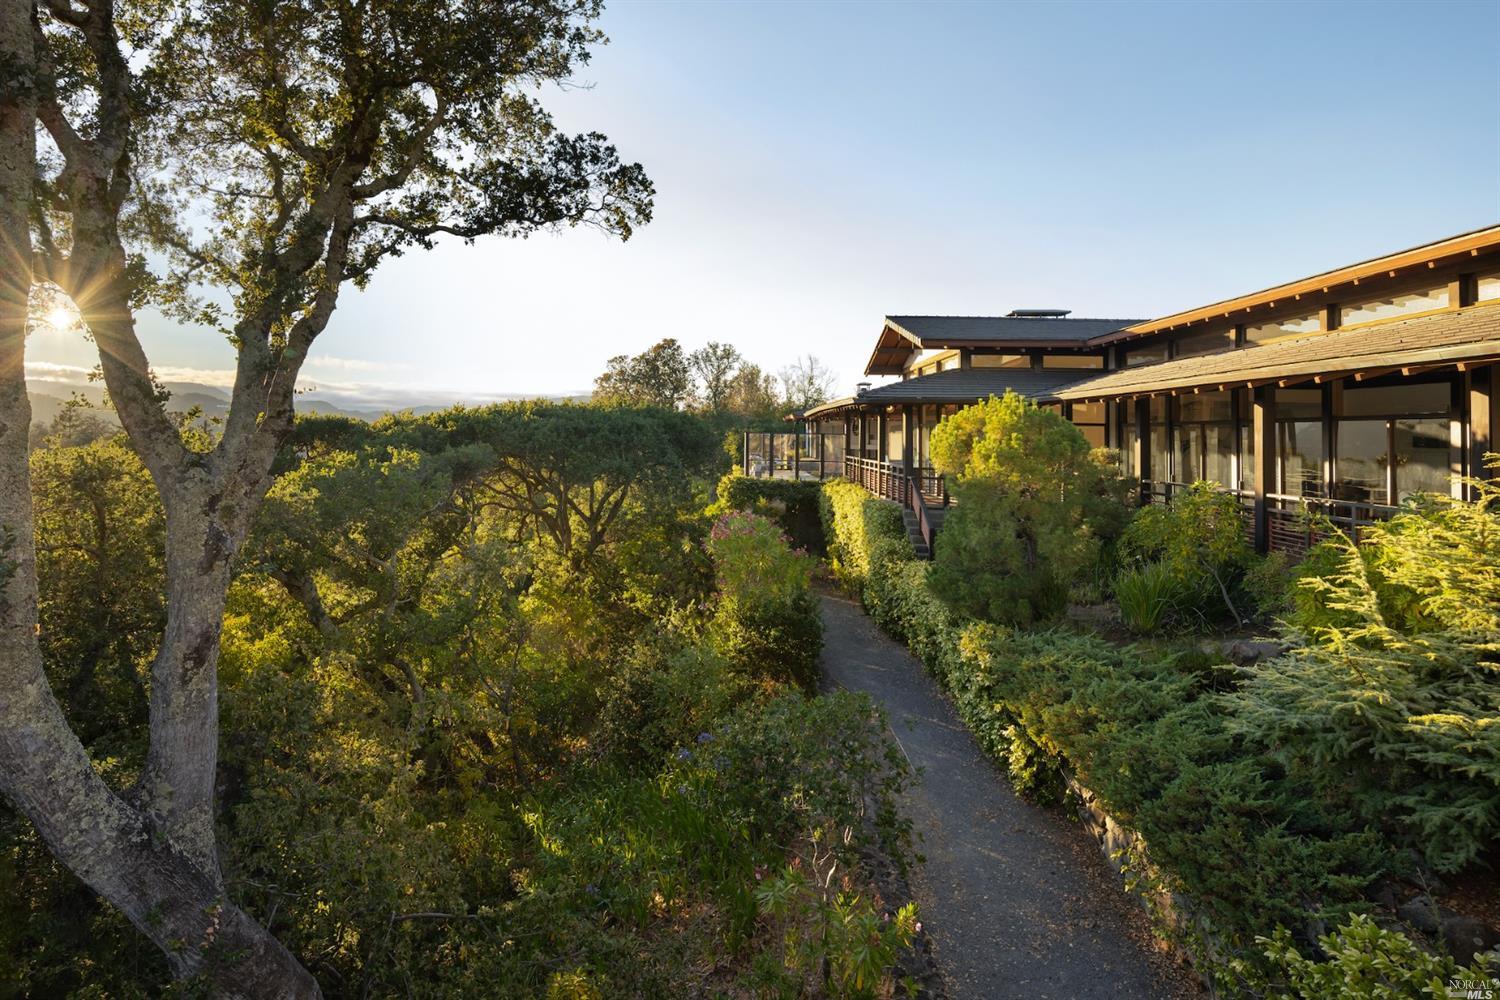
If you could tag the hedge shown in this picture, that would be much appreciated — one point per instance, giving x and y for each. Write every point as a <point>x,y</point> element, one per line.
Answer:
<point>861,531</point>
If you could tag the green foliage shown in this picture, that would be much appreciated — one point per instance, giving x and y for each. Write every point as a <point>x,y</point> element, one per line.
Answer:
<point>1149,596</point>
<point>1034,504</point>
<point>461,739</point>
<point>793,504</point>
<point>836,945</point>
<point>1248,844</point>
<point>1435,566</point>
<point>658,376</point>
<point>862,532</point>
<point>766,623</point>
<point>1198,545</point>
<point>1390,697</point>
<point>1362,960</point>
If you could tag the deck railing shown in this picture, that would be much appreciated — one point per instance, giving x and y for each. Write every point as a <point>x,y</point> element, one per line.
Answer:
<point>1294,524</point>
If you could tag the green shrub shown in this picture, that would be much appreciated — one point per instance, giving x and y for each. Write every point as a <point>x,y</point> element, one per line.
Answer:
<point>1363,960</point>
<point>766,622</point>
<point>790,503</point>
<point>1197,540</point>
<point>1034,504</point>
<point>1248,846</point>
<point>1149,596</point>
<point>1388,700</point>
<point>830,943</point>
<point>862,531</point>
<point>1434,566</point>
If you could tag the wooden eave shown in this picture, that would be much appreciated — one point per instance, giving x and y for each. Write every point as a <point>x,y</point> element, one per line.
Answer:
<point>1430,256</point>
<point>1463,337</point>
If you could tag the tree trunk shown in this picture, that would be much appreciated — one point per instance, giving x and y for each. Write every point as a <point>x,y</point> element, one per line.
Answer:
<point>45,772</point>
<point>177,784</point>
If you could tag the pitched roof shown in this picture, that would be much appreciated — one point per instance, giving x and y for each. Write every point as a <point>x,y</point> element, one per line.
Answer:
<point>901,335</point>
<point>1472,333</point>
<point>1453,248</point>
<point>957,385</point>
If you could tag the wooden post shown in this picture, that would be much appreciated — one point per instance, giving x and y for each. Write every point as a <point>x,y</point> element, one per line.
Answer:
<point>1141,458</point>
<point>1484,419</point>
<point>880,435</point>
<point>797,452</point>
<point>771,455</point>
<point>1263,419</point>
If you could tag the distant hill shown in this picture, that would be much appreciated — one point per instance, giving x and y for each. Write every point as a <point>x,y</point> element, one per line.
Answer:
<point>49,398</point>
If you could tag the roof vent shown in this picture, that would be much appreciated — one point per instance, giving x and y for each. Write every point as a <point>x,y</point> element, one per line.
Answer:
<point>861,388</point>
<point>1037,313</point>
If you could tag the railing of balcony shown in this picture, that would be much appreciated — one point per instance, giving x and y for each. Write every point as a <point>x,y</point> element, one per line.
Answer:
<point>782,455</point>
<point>1294,523</point>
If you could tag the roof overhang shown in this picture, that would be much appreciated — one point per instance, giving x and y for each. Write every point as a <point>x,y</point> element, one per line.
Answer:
<point>892,350</point>
<point>1462,338</point>
<point>1401,263</point>
<point>896,345</point>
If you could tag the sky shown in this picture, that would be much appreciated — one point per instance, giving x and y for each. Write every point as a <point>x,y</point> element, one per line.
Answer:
<point>819,166</point>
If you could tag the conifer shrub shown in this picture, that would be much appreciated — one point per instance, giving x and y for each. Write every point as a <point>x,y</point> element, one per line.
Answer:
<point>1249,845</point>
<point>1389,700</point>
<point>766,622</point>
<point>1035,505</point>
<point>1362,959</point>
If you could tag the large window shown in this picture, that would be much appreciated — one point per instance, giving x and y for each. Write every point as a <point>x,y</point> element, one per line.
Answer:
<point>1392,442</point>
<point>1487,287</point>
<point>895,436</point>
<point>1160,443</point>
<point>1290,326</point>
<point>1392,306</point>
<point>1299,442</point>
<point>1205,438</point>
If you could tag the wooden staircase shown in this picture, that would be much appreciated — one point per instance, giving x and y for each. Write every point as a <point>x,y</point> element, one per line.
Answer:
<point>935,516</point>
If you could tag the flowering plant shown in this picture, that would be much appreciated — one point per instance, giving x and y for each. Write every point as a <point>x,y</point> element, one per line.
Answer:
<point>754,562</point>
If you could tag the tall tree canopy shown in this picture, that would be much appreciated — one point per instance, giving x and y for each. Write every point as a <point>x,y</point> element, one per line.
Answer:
<point>658,376</point>
<point>805,383</point>
<point>715,365</point>
<point>235,164</point>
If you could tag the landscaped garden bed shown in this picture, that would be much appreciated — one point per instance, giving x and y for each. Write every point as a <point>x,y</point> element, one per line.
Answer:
<point>1291,821</point>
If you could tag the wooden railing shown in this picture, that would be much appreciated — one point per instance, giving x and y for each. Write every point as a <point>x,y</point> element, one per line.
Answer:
<point>1294,524</point>
<point>881,478</point>
<point>918,505</point>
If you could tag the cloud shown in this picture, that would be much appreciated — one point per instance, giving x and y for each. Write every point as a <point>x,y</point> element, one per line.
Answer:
<point>351,364</point>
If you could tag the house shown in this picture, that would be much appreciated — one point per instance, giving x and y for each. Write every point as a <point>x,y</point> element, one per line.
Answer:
<point>1343,393</point>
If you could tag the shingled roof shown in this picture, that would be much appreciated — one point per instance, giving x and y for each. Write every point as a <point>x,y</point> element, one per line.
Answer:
<point>901,335</point>
<point>957,385</point>
<point>1470,334</point>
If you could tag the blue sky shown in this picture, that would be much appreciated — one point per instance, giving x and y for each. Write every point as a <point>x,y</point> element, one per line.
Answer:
<point>819,166</point>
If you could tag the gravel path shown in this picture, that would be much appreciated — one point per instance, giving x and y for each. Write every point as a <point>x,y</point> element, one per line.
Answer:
<point>1018,901</point>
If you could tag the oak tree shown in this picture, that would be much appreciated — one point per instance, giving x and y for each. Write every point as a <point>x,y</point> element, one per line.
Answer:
<point>235,164</point>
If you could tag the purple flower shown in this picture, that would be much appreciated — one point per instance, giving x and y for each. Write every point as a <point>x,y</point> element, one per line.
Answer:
<point>705,737</point>
<point>684,754</point>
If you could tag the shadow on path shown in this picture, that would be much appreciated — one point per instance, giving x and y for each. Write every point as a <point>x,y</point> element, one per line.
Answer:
<point>1019,902</point>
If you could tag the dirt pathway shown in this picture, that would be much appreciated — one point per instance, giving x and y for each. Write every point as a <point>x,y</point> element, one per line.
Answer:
<point>1018,901</point>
